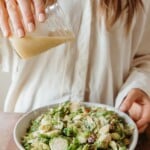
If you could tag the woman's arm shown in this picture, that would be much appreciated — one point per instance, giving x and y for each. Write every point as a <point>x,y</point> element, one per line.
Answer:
<point>135,92</point>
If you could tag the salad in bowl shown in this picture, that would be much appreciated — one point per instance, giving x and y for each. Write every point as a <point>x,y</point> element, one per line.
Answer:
<point>76,126</point>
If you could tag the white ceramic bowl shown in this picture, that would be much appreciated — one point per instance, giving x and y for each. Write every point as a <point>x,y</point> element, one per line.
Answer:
<point>24,122</point>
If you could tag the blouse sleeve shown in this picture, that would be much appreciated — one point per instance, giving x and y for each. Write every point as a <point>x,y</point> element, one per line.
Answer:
<point>139,75</point>
<point>8,56</point>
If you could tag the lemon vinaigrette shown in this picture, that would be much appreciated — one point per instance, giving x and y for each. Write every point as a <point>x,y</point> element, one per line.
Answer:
<point>55,30</point>
<point>30,46</point>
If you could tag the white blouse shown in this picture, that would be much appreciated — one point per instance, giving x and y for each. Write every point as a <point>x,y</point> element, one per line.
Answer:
<point>99,66</point>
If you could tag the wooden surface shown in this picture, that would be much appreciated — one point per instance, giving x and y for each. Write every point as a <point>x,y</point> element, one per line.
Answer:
<point>7,123</point>
<point>8,120</point>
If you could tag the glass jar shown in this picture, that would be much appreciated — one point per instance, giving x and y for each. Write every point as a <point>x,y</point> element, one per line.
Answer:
<point>55,30</point>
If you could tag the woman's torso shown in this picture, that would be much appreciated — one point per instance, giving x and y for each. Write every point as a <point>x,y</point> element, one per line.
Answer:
<point>93,68</point>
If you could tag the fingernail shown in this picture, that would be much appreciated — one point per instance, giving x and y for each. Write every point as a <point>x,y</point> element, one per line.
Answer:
<point>41,17</point>
<point>122,108</point>
<point>6,33</point>
<point>20,32</point>
<point>30,27</point>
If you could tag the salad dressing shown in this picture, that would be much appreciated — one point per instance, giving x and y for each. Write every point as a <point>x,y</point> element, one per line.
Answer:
<point>33,45</point>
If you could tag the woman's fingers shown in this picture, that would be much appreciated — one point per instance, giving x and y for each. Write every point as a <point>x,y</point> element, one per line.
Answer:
<point>129,100</point>
<point>142,129</point>
<point>145,118</point>
<point>26,12</point>
<point>15,18</point>
<point>4,25</point>
<point>137,104</point>
<point>135,111</point>
<point>39,7</point>
<point>21,16</point>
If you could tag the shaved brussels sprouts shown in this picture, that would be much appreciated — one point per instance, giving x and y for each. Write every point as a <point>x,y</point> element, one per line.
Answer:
<point>71,126</point>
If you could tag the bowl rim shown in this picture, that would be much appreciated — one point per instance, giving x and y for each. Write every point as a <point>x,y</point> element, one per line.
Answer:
<point>88,104</point>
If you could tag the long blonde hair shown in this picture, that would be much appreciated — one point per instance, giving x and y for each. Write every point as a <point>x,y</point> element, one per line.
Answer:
<point>113,9</point>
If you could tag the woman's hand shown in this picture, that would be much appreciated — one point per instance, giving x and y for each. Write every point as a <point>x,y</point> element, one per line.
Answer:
<point>137,105</point>
<point>21,15</point>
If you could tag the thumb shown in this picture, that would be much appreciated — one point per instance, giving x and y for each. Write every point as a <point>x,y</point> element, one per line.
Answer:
<point>128,101</point>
